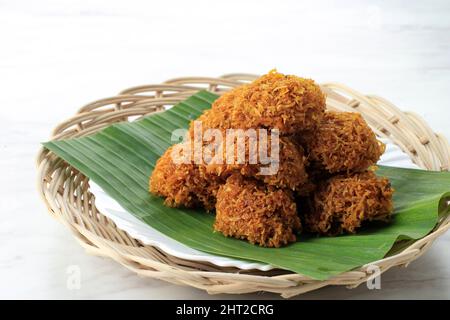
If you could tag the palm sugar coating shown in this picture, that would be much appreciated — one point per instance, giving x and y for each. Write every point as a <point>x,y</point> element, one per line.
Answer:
<point>287,169</point>
<point>248,209</point>
<point>343,202</point>
<point>342,143</point>
<point>323,158</point>
<point>291,167</point>
<point>183,185</point>
<point>285,102</point>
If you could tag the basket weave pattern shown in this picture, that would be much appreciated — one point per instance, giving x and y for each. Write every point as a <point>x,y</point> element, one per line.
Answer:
<point>66,191</point>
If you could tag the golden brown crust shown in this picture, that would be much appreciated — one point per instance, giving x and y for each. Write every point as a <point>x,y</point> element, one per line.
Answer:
<point>342,143</point>
<point>323,159</point>
<point>343,202</point>
<point>290,173</point>
<point>285,102</point>
<point>248,209</point>
<point>183,185</point>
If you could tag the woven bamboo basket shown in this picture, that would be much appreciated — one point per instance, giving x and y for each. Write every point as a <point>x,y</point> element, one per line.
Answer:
<point>66,191</point>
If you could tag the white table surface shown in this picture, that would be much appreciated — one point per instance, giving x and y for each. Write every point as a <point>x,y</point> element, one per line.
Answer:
<point>56,56</point>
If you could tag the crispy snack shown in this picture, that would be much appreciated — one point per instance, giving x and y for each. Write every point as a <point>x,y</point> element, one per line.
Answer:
<point>285,102</point>
<point>183,185</point>
<point>343,202</point>
<point>291,173</point>
<point>342,143</point>
<point>248,209</point>
<point>322,158</point>
<point>288,171</point>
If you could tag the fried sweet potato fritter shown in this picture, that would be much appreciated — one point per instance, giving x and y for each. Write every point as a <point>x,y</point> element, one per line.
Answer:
<point>323,158</point>
<point>285,102</point>
<point>289,169</point>
<point>342,143</point>
<point>261,214</point>
<point>343,202</point>
<point>183,185</point>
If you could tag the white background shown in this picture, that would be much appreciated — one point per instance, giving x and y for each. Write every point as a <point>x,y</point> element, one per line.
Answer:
<point>56,56</point>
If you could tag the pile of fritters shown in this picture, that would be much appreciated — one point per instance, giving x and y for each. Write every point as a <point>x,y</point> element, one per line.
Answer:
<point>325,182</point>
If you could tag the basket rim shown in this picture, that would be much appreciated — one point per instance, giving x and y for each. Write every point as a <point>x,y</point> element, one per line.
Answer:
<point>67,196</point>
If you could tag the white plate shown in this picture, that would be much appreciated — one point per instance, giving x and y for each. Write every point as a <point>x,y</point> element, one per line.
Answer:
<point>139,230</point>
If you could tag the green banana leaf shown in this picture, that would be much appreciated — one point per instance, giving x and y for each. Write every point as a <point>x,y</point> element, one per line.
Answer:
<point>121,158</point>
